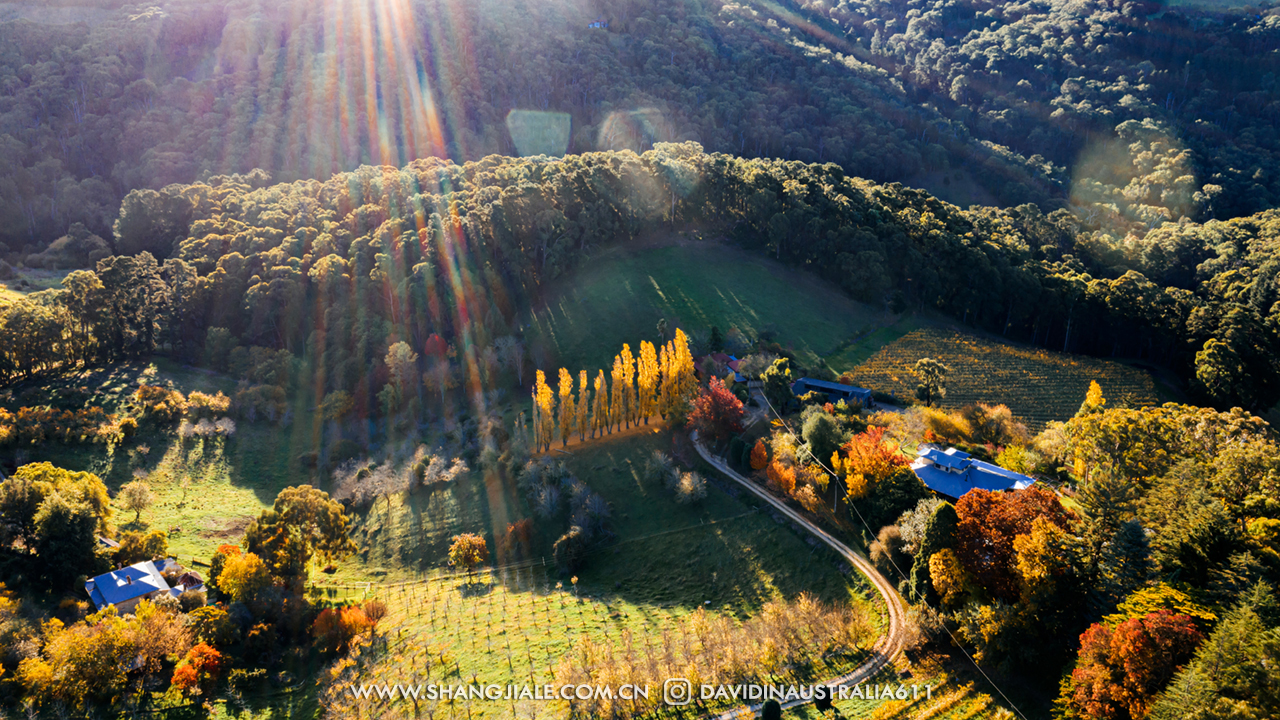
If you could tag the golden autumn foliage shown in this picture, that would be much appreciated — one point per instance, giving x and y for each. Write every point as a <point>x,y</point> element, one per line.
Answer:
<point>782,477</point>
<point>759,455</point>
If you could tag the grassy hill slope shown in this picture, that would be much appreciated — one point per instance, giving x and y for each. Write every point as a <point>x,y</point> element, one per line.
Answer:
<point>620,295</point>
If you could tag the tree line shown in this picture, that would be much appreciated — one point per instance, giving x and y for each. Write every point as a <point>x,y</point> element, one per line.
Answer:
<point>331,276</point>
<point>656,382</point>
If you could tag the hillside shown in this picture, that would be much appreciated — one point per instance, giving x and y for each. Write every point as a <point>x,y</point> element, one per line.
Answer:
<point>619,295</point>
<point>1038,385</point>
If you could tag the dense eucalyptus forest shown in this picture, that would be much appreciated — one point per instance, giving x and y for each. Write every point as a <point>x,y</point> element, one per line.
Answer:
<point>329,271</point>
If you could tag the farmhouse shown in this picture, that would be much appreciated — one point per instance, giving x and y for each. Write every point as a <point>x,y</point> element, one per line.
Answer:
<point>728,361</point>
<point>834,391</point>
<point>953,473</point>
<point>127,587</point>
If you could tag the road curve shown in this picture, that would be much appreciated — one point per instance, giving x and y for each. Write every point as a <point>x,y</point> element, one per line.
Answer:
<point>886,648</point>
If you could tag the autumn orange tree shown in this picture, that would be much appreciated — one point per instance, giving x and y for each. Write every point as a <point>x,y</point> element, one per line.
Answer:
<point>866,459</point>
<point>647,377</point>
<point>759,455</point>
<point>468,551</point>
<point>583,419</point>
<point>335,628</point>
<point>543,412</point>
<point>198,672</point>
<point>988,525</point>
<point>600,409</point>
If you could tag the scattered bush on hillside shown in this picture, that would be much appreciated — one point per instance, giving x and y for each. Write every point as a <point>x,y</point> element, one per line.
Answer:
<point>36,425</point>
<point>691,488</point>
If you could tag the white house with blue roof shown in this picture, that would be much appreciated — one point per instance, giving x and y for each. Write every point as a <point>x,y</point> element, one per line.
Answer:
<point>127,587</point>
<point>953,473</point>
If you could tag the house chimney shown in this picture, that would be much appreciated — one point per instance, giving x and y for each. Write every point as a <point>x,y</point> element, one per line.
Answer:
<point>128,579</point>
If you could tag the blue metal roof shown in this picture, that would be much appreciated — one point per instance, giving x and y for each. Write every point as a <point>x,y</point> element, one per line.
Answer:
<point>951,458</point>
<point>125,584</point>
<point>969,474</point>
<point>830,387</point>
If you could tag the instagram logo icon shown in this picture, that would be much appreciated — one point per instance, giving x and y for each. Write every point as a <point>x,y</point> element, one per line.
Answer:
<point>677,691</point>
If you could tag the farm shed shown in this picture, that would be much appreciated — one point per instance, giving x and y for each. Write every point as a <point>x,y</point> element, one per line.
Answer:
<point>834,391</point>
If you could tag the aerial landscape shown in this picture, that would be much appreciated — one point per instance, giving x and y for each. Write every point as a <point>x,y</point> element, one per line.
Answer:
<point>661,359</point>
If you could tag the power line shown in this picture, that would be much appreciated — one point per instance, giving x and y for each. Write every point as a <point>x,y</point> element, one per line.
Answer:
<point>898,570</point>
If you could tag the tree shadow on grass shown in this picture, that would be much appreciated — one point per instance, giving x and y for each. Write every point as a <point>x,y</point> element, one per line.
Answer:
<point>475,589</point>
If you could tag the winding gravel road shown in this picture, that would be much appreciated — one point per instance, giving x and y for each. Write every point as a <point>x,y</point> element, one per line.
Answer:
<point>886,648</point>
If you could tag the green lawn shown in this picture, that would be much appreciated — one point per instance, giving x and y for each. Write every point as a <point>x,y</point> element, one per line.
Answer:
<point>620,294</point>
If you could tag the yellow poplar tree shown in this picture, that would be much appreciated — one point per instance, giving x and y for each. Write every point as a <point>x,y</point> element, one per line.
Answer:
<point>584,405</point>
<point>567,415</point>
<point>665,357</point>
<point>616,407</point>
<point>647,380</point>
<point>686,383</point>
<point>600,411</point>
<point>544,411</point>
<point>628,385</point>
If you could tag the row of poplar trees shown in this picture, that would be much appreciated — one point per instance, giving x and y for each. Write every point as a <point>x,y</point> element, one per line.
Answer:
<point>658,381</point>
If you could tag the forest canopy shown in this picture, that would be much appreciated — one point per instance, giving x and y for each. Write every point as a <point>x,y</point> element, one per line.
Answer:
<point>444,257</point>
<point>1131,113</point>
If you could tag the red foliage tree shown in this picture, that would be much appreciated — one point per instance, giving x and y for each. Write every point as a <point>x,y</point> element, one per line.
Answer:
<point>717,413</point>
<point>989,522</point>
<point>869,454</point>
<point>199,669</point>
<point>1119,672</point>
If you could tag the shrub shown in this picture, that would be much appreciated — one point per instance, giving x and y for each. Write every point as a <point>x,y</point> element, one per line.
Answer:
<point>192,600</point>
<point>570,549</point>
<point>202,405</point>
<point>888,555</point>
<point>691,488</point>
<point>335,628</point>
<point>660,468</point>
<point>158,403</point>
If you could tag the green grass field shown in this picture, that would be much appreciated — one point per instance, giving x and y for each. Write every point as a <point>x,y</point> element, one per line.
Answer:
<point>620,294</point>
<point>1038,385</point>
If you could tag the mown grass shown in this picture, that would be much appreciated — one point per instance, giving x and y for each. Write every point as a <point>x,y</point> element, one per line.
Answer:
<point>1038,385</point>
<point>620,295</point>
